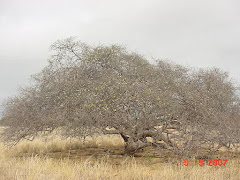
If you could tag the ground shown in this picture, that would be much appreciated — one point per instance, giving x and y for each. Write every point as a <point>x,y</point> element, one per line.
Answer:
<point>100,159</point>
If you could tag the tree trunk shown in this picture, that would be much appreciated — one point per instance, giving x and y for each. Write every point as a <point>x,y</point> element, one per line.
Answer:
<point>132,146</point>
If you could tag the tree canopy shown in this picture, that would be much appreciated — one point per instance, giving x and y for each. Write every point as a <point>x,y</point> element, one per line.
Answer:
<point>85,89</point>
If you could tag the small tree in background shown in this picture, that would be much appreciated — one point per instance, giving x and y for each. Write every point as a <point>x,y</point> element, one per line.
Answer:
<point>85,89</point>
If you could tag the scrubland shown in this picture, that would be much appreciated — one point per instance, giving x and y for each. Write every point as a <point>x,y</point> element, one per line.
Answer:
<point>99,159</point>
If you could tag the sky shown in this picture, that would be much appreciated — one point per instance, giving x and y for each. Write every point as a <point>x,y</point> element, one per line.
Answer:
<point>196,33</point>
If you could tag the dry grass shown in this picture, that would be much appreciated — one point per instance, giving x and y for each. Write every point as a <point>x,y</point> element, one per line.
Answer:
<point>37,167</point>
<point>55,143</point>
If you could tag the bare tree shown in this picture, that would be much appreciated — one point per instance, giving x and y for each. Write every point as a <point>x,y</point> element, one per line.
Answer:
<point>86,89</point>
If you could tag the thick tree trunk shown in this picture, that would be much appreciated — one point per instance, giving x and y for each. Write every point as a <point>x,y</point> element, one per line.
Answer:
<point>132,146</point>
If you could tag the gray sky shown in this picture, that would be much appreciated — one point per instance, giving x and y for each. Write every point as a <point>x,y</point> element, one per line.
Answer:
<point>198,33</point>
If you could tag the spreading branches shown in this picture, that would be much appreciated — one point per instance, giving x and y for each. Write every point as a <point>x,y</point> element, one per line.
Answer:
<point>85,89</point>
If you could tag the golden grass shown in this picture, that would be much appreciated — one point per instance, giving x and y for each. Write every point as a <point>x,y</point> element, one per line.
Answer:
<point>36,167</point>
<point>55,143</point>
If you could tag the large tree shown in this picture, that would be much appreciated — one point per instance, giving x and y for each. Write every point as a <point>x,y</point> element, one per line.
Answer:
<point>85,89</point>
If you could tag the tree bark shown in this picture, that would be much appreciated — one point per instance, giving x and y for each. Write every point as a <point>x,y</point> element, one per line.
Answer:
<point>132,146</point>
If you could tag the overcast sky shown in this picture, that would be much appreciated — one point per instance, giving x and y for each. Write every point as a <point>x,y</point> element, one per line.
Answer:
<point>198,33</point>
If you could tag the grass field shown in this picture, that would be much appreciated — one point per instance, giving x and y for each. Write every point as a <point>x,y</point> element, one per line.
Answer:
<point>99,159</point>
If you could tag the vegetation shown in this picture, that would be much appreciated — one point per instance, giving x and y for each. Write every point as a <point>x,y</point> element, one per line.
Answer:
<point>87,90</point>
<point>36,167</point>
